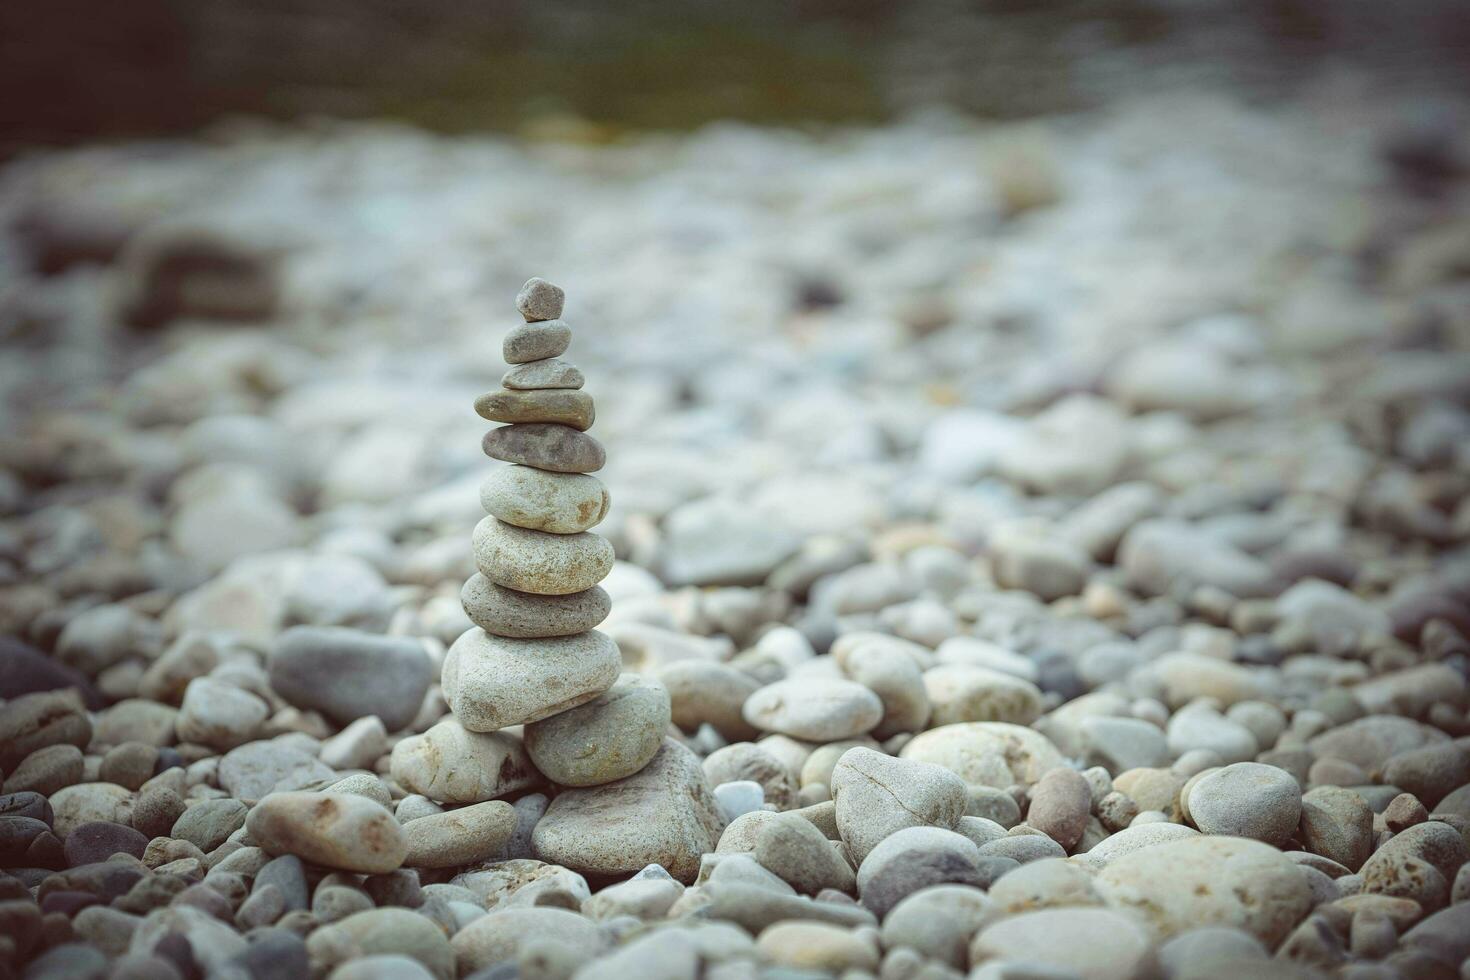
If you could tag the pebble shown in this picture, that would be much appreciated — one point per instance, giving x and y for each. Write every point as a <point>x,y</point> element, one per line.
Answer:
<point>35,721</point>
<point>988,753</point>
<point>816,946</point>
<point>492,682</point>
<point>452,764</point>
<point>546,373</point>
<point>1247,799</point>
<point>545,446</point>
<point>99,840</point>
<point>47,770</point>
<point>536,341</point>
<point>815,709</point>
<point>88,802</point>
<point>219,715</point>
<point>664,814</point>
<point>540,563</point>
<point>938,921</point>
<point>961,693</point>
<point>1061,802</point>
<point>914,858</point>
<point>541,500</point>
<point>1337,824</point>
<point>1199,881</point>
<point>876,795</point>
<point>1097,943</point>
<point>384,931</point>
<point>336,830</point>
<point>557,405</point>
<point>254,769</point>
<point>610,737</point>
<point>208,823</point>
<point>506,612</point>
<point>794,849</point>
<point>346,674</point>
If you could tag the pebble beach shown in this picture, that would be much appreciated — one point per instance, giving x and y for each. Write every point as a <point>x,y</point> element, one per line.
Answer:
<point>998,550</point>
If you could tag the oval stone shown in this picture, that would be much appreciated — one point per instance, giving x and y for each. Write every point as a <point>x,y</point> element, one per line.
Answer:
<point>818,709</point>
<point>492,682</point>
<point>573,408</point>
<point>451,764</point>
<point>458,837</point>
<point>546,373</point>
<point>610,737</point>
<point>536,341</point>
<point>506,612</point>
<point>546,446</point>
<point>534,561</point>
<point>561,503</point>
<point>336,830</point>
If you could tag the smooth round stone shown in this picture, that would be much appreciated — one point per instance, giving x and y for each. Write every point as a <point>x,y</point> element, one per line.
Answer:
<point>610,737</point>
<point>492,682</point>
<point>664,814</point>
<point>915,858</point>
<point>1209,881</point>
<point>506,612</point>
<point>704,692</point>
<point>1097,943</point>
<point>543,374</point>
<point>988,753</point>
<point>218,714</point>
<point>336,830</point>
<point>1061,802</point>
<point>546,446</point>
<point>384,931</point>
<point>536,341</point>
<point>876,795</point>
<point>458,837</point>
<point>817,709</point>
<point>541,563</point>
<point>561,406</point>
<point>499,938</point>
<point>383,966</point>
<point>962,693</point>
<point>561,503</point>
<point>1337,824</point>
<point>451,764</point>
<point>347,674</point>
<point>99,840</point>
<point>540,300</point>
<point>1247,799</point>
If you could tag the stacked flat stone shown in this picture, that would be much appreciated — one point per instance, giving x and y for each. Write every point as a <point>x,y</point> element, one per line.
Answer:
<point>533,653</point>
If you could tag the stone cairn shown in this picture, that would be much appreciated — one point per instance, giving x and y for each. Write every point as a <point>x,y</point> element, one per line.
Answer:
<point>533,653</point>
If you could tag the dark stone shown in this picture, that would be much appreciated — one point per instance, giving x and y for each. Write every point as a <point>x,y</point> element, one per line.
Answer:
<point>288,874</point>
<point>346,674</point>
<point>29,843</point>
<point>168,758</point>
<point>1445,935</point>
<point>26,670</point>
<point>275,954</point>
<point>398,888</point>
<point>27,804</point>
<point>20,919</point>
<point>546,446</point>
<point>166,273</point>
<point>34,721</point>
<point>99,840</point>
<point>108,880</point>
<point>1055,671</point>
<point>141,966</point>
<point>12,887</point>
<point>69,903</point>
<point>174,947</point>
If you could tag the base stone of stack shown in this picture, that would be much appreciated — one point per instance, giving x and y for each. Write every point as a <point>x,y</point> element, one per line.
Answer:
<point>663,814</point>
<point>538,500</point>
<point>493,682</point>
<point>525,615</point>
<point>534,561</point>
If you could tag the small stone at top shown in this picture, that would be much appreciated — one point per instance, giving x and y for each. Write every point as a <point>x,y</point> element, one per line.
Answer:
<point>540,300</point>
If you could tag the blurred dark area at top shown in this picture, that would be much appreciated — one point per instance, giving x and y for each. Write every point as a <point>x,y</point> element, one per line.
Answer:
<point>73,70</point>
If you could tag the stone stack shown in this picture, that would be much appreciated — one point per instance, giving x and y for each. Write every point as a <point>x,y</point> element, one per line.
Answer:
<point>533,653</point>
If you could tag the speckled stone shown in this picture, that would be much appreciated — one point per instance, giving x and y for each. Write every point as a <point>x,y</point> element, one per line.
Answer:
<point>336,830</point>
<point>544,564</point>
<point>536,341</point>
<point>546,446</point>
<point>562,503</point>
<point>547,373</point>
<point>451,764</point>
<point>540,300</point>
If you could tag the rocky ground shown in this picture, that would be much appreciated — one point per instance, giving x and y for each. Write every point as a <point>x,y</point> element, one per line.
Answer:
<point>1048,542</point>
